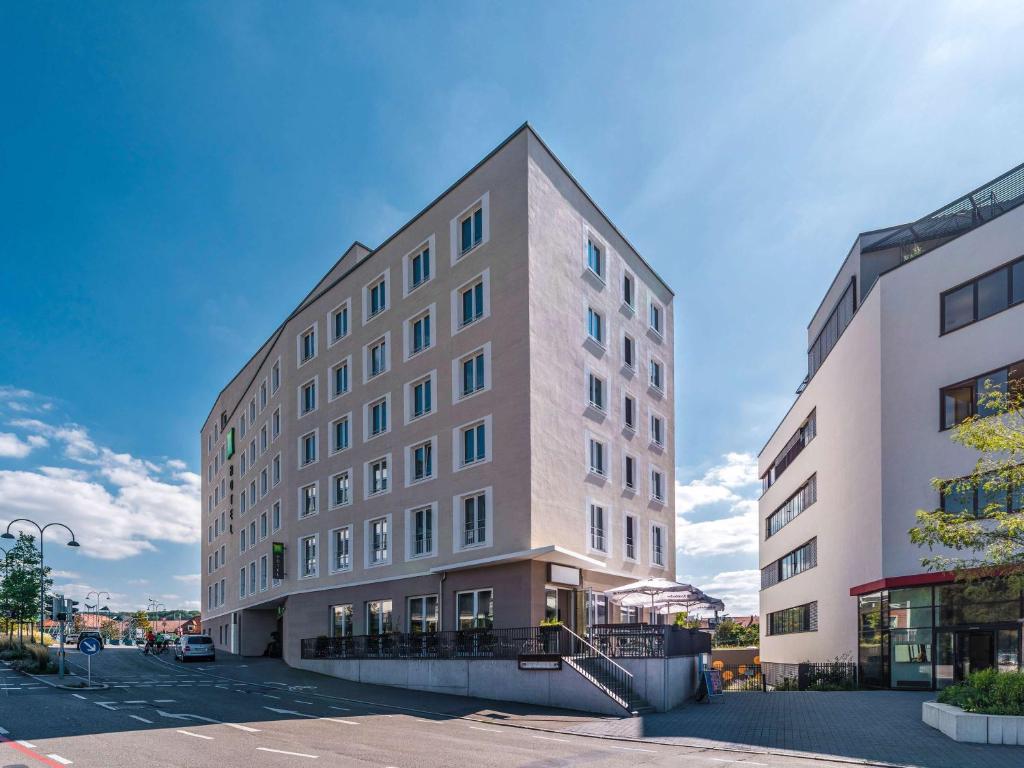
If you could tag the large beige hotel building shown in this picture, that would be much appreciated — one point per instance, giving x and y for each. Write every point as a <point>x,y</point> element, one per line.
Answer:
<point>916,321</point>
<point>470,425</point>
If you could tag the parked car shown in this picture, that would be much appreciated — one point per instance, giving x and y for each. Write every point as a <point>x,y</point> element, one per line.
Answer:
<point>190,647</point>
<point>89,633</point>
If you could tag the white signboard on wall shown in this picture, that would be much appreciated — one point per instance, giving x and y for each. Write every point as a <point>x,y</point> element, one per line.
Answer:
<point>561,574</point>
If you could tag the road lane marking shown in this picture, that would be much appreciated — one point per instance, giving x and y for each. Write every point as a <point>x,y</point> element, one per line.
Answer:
<point>489,730</point>
<point>140,719</point>
<point>241,727</point>
<point>163,701</point>
<point>282,752</point>
<point>26,744</point>
<point>546,738</point>
<point>343,709</point>
<point>303,702</point>
<point>79,696</point>
<point>106,705</point>
<point>267,695</point>
<point>136,701</point>
<point>341,722</point>
<point>290,712</point>
<point>640,749</point>
<point>59,759</point>
<point>196,735</point>
<point>745,762</point>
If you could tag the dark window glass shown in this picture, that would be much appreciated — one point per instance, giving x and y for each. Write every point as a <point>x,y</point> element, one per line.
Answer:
<point>986,384</point>
<point>958,308</point>
<point>957,405</point>
<point>1018,281</point>
<point>993,293</point>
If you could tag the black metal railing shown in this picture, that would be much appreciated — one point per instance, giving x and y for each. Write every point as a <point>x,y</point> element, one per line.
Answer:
<point>810,676</point>
<point>590,661</point>
<point>479,643</point>
<point>632,641</point>
<point>742,677</point>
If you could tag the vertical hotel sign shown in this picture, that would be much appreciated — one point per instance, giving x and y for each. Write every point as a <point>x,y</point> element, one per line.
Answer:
<point>278,560</point>
<point>229,443</point>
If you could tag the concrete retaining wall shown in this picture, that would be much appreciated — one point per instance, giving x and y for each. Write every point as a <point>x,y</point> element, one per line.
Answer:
<point>972,728</point>
<point>664,683</point>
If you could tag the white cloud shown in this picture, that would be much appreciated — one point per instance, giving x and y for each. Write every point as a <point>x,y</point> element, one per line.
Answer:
<point>189,578</point>
<point>56,574</point>
<point>737,589</point>
<point>13,447</point>
<point>117,504</point>
<point>732,485</point>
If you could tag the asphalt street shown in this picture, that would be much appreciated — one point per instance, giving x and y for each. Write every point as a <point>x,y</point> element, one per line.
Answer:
<point>237,713</point>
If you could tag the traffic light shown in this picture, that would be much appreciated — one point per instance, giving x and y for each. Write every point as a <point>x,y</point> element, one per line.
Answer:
<point>57,607</point>
<point>70,608</point>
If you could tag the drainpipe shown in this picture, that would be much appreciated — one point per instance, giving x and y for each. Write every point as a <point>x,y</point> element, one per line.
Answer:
<point>440,602</point>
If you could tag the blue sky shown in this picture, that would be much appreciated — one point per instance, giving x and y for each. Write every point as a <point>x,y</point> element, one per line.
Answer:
<point>175,176</point>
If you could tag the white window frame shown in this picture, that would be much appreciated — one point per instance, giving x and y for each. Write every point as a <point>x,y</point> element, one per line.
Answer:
<point>606,528</point>
<point>368,472</point>
<point>656,333</point>
<point>407,336</point>
<point>410,529</point>
<point>656,445</point>
<point>457,395</point>
<point>598,346</point>
<point>368,561</point>
<point>316,438</point>
<point>275,524</point>
<point>298,344</point>
<point>264,395</point>
<point>636,474</point>
<point>410,461</point>
<point>457,448</point>
<point>275,372</point>
<point>407,286</point>
<point>628,273</point>
<point>332,377</point>
<point>346,304</point>
<point>275,421</point>
<point>368,417</point>
<point>300,508</point>
<point>592,472</point>
<point>456,302</point>
<point>629,369</point>
<point>301,556</point>
<point>386,277</point>
<point>654,389</point>
<point>280,470</point>
<point>637,543</point>
<point>650,485</point>
<point>331,503</point>
<point>458,520</point>
<point>264,573</point>
<point>598,278</point>
<point>332,449</point>
<point>606,387</point>
<point>664,545</point>
<point>333,553</point>
<point>264,484</point>
<point>630,428</point>
<point>484,204</point>
<point>300,400</point>
<point>367,375</point>
<point>410,398</point>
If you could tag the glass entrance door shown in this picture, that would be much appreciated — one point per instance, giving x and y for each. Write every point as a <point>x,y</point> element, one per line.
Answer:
<point>975,651</point>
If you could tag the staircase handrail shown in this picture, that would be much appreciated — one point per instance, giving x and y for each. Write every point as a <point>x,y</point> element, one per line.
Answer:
<point>597,650</point>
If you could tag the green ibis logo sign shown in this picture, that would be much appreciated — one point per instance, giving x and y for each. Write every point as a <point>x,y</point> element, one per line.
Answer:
<point>229,444</point>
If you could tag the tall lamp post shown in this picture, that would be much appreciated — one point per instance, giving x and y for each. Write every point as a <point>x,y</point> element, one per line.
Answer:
<point>42,570</point>
<point>97,605</point>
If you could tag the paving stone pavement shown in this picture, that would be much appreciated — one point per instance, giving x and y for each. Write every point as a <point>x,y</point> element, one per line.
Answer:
<point>879,726</point>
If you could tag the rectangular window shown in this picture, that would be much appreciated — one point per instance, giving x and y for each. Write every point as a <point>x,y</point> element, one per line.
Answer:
<point>629,412</point>
<point>307,445</point>
<point>339,323</point>
<point>422,461</point>
<point>595,326</point>
<point>982,499</point>
<point>264,482</point>
<point>475,609</point>
<point>377,297</point>
<point>657,485</point>
<point>629,473</point>
<point>804,497</point>
<point>627,290</point>
<point>657,431</point>
<point>307,500</point>
<point>252,578</point>
<point>342,549</point>
<point>422,614</point>
<point>341,489</point>
<point>379,541</point>
<point>307,345</point>
<point>597,458</point>
<point>472,230</point>
<point>264,439</point>
<point>597,530</point>
<point>378,617</point>
<point>419,268</point>
<point>474,444</point>
<point>309,562</point>
<point>471,303</point>
<point>423,531</point>
<point>595,391</point>
<point>275,516</point>
<point>828,336</point>
<point>263,573</point>
<point>264,395</point>
<point>983,296</point>
<point>242,541</point>
<point>968,398</point>
<point>658,544</point>
<point>630,537</point>
<point>801,559</point>
<point>420,334</point>
<point>628,351</point>
<point>340,434</point>
<point>655,318</point>
<point>474,520</point>
<point>263,525</point>
<point>379,417</point>
<point>241,426</point>
<point>275,470</point>
<point>341,620</point>
<point>275,424</point>
<point>473,374</point>
<point>595,258</point>
<point>378,476</point>
<point>793,448</point>
<point>378,357</point>
<point>422,398</point>
<point>656,375</point>
<point>241,583</point>
<point>340,379</point>
<point>802,618</point>
<point>275,377</point>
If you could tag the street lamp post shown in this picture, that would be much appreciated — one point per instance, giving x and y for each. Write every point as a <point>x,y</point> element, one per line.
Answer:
<point>97,605</point>
<point>42,571</point>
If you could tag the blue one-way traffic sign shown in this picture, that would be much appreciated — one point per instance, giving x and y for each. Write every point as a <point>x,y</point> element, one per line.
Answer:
<point>89,646</point>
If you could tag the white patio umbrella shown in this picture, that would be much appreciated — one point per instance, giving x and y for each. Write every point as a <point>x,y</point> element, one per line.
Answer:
<point>645,591</point>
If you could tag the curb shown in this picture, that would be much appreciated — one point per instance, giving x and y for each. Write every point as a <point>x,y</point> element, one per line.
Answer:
<point>42,679</point>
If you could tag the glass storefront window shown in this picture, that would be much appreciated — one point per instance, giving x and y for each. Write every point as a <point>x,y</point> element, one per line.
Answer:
<point>1008,650</point>
<point>944,659</point>
<point>341,620</point>
<point>869,641</point>
<point>550,604</point>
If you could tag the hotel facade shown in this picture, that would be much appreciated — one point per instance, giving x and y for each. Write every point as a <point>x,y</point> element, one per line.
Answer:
<point>917,319</point>
<point>469,426</point>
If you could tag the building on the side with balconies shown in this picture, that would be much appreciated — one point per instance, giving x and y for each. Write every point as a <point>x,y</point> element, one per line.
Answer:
<point>917,319</point>
<point>470,425</point>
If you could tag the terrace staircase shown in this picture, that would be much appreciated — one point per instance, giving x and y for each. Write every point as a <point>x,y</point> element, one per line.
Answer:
<point>610,678</point>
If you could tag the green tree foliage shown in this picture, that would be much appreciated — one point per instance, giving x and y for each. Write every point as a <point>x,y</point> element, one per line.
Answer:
<point>984,518</point>
<point>19,592</point>
<point>729,633</point>
<point>141,621</point>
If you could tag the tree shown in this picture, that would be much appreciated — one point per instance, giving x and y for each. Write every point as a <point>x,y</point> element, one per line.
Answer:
<point>110,630</point>
<point>20,591</point>
<point>729,633</point>
<point>982,518</point>
<point>141,621</point>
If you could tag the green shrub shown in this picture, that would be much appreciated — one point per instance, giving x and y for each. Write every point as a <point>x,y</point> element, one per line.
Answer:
<point>988,693</point>
<point>35,659</point>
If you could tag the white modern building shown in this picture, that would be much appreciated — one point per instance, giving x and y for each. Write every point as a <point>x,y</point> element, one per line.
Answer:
<point>470,425</point>
<point>918,317</point>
